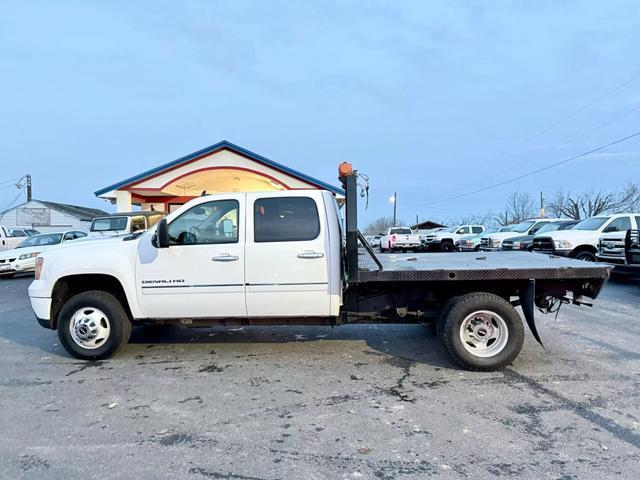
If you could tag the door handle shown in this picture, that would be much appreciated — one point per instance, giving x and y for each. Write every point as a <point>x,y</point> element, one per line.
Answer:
<point>225,257</point>
<point>310,254</point>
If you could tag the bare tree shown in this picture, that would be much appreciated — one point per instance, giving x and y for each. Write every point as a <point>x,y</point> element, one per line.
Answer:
<point>590,203</point>
<point>519,207</point>
<point>380,225</point>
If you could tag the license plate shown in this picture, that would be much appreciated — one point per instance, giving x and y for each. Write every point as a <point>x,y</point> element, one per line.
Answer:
<point>5,267</point>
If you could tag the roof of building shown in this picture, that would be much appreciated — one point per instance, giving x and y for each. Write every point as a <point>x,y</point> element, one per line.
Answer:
<point>223,145</point>
<point>82,213</point>
<point>427,225</point>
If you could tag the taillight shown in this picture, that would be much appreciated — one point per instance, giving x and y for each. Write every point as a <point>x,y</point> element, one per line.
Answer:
<point>393,238</point>
<point>39,264</point>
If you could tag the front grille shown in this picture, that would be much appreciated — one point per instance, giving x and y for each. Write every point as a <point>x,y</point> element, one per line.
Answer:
<point>543,244</point>
<point>484,242</point>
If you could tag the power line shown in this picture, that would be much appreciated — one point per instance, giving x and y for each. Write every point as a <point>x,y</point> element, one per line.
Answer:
<point>524,175</point>
<point>561,121</point>
<point>582,135</point>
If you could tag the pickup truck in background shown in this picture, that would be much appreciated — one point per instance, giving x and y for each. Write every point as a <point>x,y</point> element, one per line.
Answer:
<point>524,243</point>
<point>581,242</point>
<point>622,251</point>
<point>10,237</point>
<point>400,239</point>
<point>279,258</point>
<point>124,223</point>
<point>493,242</point>
<point>471,243</point>
<point>445,240</point>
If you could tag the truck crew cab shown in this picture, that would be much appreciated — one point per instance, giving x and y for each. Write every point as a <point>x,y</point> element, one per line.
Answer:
<point>279,258</point>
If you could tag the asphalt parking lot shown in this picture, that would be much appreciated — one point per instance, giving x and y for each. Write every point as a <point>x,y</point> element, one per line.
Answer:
<point>354,402</point>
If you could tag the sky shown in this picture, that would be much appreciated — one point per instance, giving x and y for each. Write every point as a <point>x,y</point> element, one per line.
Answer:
<point>430,99</point>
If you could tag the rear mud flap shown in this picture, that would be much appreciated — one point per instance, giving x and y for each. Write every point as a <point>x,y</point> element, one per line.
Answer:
<point>527,302</point>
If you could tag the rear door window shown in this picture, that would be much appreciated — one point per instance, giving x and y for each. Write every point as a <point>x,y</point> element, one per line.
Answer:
<point>476,229</point>
<point>285,219</point>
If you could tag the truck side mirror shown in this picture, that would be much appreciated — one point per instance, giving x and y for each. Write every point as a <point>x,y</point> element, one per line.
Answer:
<point>161,238</point>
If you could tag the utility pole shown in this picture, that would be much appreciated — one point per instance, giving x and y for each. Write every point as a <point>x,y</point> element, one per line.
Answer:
<point>28,187</point>
<point>541,206</point>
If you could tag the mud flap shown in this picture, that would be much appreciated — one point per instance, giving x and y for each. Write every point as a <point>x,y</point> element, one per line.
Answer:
<point>527,302</point>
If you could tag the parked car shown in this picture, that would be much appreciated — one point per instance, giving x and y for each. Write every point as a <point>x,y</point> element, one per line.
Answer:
<point>400,238</point>
<point>445,240</point>
<point>124,223</point>
<point>525,242</point>
<point>493,242</point>
<point>582,240</point>
<point>10,237</point>
<point>23,257</point>
<point>374,240</point>
<point>470,243</point>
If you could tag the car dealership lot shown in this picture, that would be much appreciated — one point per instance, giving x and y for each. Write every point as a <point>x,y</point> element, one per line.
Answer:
<point>376,402</point>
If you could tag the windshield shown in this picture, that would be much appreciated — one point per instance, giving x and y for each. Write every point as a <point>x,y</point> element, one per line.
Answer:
<point>508,228</point>
<point>450,229</point>
<point>105,224</point>
<point>43,239</point>
<point>549,227</point>
<point>490,230</point>
<point>524,226</point>
<point>401,231</point>
<point>593,223</point>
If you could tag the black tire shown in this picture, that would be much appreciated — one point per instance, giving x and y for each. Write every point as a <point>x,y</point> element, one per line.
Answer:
<point>477,248</point>
<point>118,321</point>
<point>446,247</point>
<point>585,255</point>
<point>458,309</point>
<point>404,250</point>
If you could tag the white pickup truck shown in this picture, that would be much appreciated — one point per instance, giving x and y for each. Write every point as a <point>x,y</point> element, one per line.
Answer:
<point>280,258</point>
<point>400,238</point>
<point>582,240</point>
<point>445,240</point>
<point>10,237</point>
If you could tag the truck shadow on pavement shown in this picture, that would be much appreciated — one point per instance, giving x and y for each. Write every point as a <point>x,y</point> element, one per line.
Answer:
<point>412,342</point>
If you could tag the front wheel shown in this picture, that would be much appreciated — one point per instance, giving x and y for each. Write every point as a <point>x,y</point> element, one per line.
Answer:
<point>93,325</point>
<point>446,247</point>
<point>481,331</point>
<point>585,256</point>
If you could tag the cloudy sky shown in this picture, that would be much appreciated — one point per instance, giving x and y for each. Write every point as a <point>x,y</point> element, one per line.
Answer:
<point>431,99</point>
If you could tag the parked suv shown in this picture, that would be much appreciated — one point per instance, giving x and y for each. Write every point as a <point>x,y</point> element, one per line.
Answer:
<point>581,242</point>
<point>493,242</point>
<point>525,242</point>
<point>445,240</point>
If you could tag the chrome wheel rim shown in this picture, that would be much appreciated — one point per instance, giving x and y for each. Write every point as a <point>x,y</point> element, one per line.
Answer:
<point>89,328</point>
<point>484,333</point>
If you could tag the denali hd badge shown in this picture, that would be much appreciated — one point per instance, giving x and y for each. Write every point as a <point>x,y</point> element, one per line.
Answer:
<point>163,282</point>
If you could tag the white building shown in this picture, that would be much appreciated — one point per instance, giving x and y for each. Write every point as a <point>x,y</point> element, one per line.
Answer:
<point>49,216</point>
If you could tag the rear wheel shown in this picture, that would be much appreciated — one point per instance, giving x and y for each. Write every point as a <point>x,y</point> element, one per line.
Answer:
<point>93,325</point>
<point>481,331</point>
